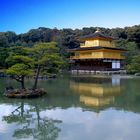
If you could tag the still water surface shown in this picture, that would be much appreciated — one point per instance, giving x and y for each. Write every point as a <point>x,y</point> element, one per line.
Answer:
<point>75,108</point>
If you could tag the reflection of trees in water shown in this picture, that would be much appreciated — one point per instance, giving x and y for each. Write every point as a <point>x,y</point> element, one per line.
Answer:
<point>32,125</point>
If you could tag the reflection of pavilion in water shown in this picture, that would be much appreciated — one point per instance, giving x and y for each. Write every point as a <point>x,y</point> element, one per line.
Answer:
<point>98,92</point>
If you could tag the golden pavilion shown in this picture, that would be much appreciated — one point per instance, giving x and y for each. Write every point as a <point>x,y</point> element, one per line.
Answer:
<point>97,52</point>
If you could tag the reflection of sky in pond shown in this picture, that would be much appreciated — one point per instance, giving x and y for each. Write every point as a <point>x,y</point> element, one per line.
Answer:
<point>80,125</point>
<point>108,125</point>
<point>6,130</point>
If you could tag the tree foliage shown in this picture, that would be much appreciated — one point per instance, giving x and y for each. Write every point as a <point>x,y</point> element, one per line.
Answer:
<point>46,56</point>
<point>20,67</point>
<point>43,57</point>
<point>134,65</point>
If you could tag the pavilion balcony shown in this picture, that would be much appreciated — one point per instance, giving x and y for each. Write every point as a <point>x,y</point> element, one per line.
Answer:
<point>95,68</point>
<point>82,57</point>
<point>97,57</point>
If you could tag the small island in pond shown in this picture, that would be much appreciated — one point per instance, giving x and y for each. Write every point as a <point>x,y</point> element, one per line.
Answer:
<point>32,63</point>
<point>24,93</point>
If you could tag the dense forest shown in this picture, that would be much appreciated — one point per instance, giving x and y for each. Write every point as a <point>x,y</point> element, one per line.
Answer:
<point>127,38</point>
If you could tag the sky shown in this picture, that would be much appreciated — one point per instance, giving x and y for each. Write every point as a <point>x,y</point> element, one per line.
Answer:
<point>22,15</point>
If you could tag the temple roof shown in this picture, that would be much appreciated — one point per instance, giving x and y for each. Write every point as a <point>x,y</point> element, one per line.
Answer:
<point>96,48</point>
<point>95,35</point>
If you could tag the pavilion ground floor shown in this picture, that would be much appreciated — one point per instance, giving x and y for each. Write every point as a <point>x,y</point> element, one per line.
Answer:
<point>97,64</point>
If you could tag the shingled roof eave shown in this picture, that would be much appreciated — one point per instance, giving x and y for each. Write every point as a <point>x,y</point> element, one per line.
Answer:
<point>96,48</point>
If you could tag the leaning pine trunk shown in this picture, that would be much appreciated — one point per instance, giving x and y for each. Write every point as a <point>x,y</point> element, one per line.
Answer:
<point>36,77</point>
<point>22,82</point>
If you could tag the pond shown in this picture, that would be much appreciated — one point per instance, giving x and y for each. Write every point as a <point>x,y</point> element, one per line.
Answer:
<point>75,108</point>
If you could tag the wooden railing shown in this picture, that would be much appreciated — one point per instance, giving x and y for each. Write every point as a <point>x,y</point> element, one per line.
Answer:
<point>94,68</point>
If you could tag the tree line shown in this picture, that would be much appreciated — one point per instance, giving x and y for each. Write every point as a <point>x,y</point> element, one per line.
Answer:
<point>127,38</point>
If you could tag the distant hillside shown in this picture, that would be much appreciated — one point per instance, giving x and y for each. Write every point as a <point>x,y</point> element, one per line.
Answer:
<point>66,38</point>
<point>127,38</point>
